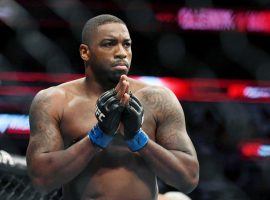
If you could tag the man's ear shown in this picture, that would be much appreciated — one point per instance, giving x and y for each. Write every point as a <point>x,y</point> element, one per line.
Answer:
<point>84,52</point>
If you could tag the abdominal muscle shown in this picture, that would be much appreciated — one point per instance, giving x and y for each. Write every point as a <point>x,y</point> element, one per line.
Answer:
<point>114,174</point>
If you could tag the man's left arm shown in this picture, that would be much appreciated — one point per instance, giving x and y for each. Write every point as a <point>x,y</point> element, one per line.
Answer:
<point>172,157</point>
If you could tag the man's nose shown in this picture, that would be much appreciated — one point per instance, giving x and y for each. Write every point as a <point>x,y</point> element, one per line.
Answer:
<point>120,52</point>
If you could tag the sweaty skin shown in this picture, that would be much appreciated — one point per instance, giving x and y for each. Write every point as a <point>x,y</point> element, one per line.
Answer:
<point>61,155</point>
<point>114,173</point>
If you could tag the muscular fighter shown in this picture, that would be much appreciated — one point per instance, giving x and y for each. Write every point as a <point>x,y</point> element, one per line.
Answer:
<point>107,136</point>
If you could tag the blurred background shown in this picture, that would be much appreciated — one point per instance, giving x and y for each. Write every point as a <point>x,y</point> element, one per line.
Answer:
<point>213,54</point>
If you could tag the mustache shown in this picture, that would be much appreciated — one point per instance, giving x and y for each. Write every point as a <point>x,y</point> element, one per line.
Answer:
<point>120,62</point>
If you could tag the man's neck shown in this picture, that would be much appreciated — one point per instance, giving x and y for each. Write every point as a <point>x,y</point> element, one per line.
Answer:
<point>94,86</point>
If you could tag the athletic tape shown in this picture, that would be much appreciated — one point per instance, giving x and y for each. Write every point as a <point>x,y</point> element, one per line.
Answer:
<point>138,141</point>
<point>98,137</point>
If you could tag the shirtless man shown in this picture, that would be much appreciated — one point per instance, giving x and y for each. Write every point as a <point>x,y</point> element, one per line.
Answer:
<point>107,136</point>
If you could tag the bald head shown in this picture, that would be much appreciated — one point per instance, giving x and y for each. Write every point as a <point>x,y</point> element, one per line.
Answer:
<point>92,24</point>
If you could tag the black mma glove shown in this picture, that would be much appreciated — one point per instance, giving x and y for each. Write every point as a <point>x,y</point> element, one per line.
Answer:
<point>132,119</point>
<point>108,113</point>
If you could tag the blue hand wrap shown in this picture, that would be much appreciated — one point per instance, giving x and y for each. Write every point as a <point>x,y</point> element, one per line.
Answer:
<point>139,140</point>
<point>98,137</point>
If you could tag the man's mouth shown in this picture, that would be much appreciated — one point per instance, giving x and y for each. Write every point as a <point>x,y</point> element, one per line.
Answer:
<point>120,67</point>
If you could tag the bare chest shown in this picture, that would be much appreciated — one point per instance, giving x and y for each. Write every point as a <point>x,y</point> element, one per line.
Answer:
<point>110,164</point>
<point>79,118</point>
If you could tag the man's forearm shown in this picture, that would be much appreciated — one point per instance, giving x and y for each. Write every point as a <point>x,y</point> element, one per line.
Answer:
<point>53,169</point>
<point>178,169</point>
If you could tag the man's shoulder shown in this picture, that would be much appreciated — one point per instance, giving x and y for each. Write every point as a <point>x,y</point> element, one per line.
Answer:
<point>140,86</point>
<point>70,85</point>
<point>56,94</point>
<point>156,96</point>
<point>48,98</point>
<point>155,91</point>
<point>60,91</point>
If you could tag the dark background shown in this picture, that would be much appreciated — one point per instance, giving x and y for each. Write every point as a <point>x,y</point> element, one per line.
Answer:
<point>44,36</point>
<point>57,27</point>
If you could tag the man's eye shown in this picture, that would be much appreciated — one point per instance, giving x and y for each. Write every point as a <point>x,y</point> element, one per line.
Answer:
<point>107,44</point>
<point>128,44</point>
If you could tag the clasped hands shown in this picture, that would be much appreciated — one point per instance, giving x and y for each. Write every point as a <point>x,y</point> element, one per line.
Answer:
<point>117,106</point>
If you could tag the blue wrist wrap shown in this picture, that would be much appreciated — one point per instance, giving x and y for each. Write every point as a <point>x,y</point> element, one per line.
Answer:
<point>139,140</point>
<point>98,137</point>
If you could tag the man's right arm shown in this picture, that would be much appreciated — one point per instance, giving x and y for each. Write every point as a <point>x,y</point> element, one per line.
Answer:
<point>49,164</point>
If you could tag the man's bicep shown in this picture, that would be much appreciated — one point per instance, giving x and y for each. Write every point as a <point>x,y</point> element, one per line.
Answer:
<point>44,128</point>
<point>171,128</point>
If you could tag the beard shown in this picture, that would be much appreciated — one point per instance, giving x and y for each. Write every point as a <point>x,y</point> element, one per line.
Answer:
<point>105,75</point>
<point>115,75</point>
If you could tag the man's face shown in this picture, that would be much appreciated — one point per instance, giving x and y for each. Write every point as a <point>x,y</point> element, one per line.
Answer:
<point>110,52</point>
